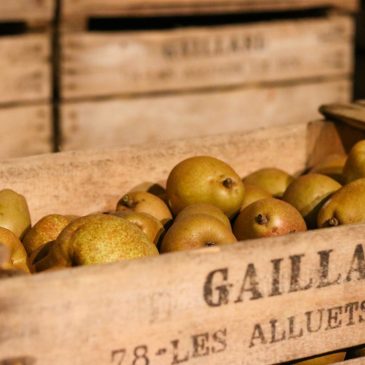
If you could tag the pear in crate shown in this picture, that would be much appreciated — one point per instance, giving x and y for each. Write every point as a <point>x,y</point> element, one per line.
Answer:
<point>196,231</point>
<point>45,230</point>
<point>203,208</point>
<point>14,212</point>
<point>355,164</point>
<point>144,202</point>
<point>97,239</point>
<point>149,225</point>
<point>266,218</point>
<point>204,179</point>
<point>308,193</point>
<point>156,189</point>
<point>272,180</point>
<point>332,166</point>
<point>18,259</point>
<point>253,193</point>
<point>346,206</point>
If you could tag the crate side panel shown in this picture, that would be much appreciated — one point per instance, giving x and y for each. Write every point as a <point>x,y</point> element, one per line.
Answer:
<point>26,10</point>
<point>97,64</point>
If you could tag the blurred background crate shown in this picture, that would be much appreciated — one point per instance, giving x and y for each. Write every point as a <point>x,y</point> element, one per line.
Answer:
<point>25,74</point>
<point>128,76</point>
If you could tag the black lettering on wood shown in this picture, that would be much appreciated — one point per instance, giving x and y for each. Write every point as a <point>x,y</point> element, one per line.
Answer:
<point>250,284</point>
<point>324,264</point>
<point>275,337</point>
<point>200,345</point>
<point>294,332</point>
<point>309,316</point>
<point>362,308</point>
<point>258,334</point>
<point>357,264</point>
<point>275,285</point>
<point>350,308</point>
<point>177,359</point>
<point>295,285</point>
<point>219,338</point>
<point>333,320</point>
<point>217,295</point>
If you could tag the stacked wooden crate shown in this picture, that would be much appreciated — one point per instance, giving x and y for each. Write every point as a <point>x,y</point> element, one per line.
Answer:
<point>152,80</point>
<point>25,74</point>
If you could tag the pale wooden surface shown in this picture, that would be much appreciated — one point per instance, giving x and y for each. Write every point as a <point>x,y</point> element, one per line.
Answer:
<point>353,362</point>
<point>155,7</point>
<point>20,10</point>
<point>25,69</point>
<point>116,122</point>
<point>88,181</point>
<point>84,316</point>
<point>104,64</point>
<point>25,130</point>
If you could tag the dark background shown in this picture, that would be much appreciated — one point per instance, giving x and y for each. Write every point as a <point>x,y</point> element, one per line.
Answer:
<point>360,53</point>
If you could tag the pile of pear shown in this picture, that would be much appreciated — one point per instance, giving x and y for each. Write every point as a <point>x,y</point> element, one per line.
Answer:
<point>203,203</point>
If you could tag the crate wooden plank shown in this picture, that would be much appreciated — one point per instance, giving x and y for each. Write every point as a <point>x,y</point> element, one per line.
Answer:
<point>27,10</point>
<point>194,306</point>
<point>173,7</point>
<point>115,122</point>
<point>105,64</point>
<point>25,68</point>
<point>26,130</point>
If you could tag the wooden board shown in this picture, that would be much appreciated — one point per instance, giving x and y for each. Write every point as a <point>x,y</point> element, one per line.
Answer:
<point>25,68</point>
<point>173,7</point>
<point>117,63</point>
<point>27,10</point>
<point>25,130</point>
<point>116,122</point>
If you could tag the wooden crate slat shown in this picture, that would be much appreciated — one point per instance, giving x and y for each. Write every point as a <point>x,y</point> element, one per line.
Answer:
<point>25,130</point>
<point>27,10</point>
<point>115,122</point>
<point>192,306</point>
<point>104,64</point>
<point>73,8</point>
<point>25,68</point>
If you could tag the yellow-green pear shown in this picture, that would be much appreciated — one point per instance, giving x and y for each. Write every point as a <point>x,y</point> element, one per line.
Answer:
<point>253,193</point>
<point>205,179</point>
<point>346,206</point>
<point>272,180</point>
<point>266,218</point>
<point>308,193</point>
<point>355,164</point>
<point>196,231</point>
<point>45,230</point>
<point>14,212</point>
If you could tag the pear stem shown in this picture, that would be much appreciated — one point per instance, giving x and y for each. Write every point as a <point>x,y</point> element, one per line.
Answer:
<point>261,219</point>
<point>333,222</point>
<point>228,183</point>
<point>126,201</point>
<point>210,244</point>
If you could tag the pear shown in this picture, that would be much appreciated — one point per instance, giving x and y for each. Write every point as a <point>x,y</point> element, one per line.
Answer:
<point>97,239</point>
<point>149,225</point>
<point>204,179</point>
<point>196,231</point>
<point>46,229</point>
<point>18,259</point>
<point>324,360</point>
<point>39,254</point>
<point>268,217</point>
<point>332,166</point>
<point>272,180</point>
<point>144,202</point>
<point>346,206</point>
<point>156,189</point>
<point>308,193</point>
<point>253,193</point>
<point>355,164</point>
<point>203,208</point>
<point>14,212</point>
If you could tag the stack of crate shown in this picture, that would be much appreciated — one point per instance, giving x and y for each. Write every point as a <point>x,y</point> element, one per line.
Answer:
<point>170,68</point>
<point>25,77</point>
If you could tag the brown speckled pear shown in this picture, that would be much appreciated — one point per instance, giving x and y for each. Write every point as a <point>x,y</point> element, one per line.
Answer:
<point>324,360</point>
<point>266,218</point>
<point>204,179</point>
<point>272,180</point>
<point>144,202</point>
<point>355,164</point>
<point>45,230</point>
<point>14,212</point>
<point>308,193</point>
<point>346,206</point>
<point>18,255</point>
<point>149,225</point>
<point>331,166</point>
<point>98,239</point>
<point>203,208</point>
<point>253,193</point>
<point>196,231</point>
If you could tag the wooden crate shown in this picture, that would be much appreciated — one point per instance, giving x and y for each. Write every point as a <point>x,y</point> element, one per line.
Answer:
<point>119,121</point>
<point>213,306</point>
<point>98,64</point>
<point>25,130</point>
<point>80,8</point>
